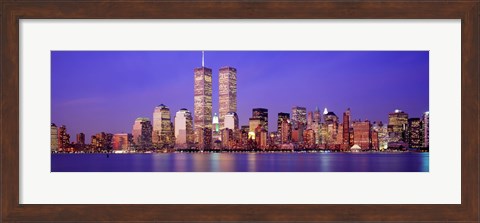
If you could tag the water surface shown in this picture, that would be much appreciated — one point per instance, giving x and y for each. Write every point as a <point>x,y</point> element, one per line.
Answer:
<point>242,162</point>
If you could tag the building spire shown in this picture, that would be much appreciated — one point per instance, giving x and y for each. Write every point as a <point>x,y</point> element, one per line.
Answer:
<point>203,58</point>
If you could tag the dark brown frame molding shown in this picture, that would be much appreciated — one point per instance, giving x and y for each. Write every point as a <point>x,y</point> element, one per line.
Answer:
<point>12,11</point>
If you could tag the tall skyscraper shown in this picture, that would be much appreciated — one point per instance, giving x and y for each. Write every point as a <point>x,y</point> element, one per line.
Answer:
<point>162,132</point>
<point>397,126</point>
<point>317,116</point>
<point>53,137</point>
<point>382,131</point>
<point>331,125</point>
<point>426,129</point>
<point>309,120</point>
<point>262,114</point>
<point>281,117</point>
<point>299,117</point>
<point>346,129</point>
<point>316,125</point>
<point>231,121</point>
<point>142,133</point>
<point>183,128</point>
<point>227,92</point>
<point>203,105</point>
<point>285,130</point>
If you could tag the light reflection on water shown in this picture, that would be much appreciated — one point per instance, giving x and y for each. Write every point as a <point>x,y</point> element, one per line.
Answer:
<point>242,162</point>
<point>252,162</point>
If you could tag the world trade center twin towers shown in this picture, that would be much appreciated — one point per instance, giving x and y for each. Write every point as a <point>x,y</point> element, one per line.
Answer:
<point>227,92</point>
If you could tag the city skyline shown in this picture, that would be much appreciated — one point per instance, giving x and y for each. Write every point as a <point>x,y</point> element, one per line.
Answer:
<point>146,79</point>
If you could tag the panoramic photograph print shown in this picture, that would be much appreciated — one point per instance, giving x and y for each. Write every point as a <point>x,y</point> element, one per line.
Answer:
<point>239,111</point>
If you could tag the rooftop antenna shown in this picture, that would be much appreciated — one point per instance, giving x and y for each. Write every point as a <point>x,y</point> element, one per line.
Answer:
<point>203,58</point>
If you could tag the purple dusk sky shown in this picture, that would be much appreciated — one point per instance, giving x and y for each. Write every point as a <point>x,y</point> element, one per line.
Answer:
<point>95,91</point>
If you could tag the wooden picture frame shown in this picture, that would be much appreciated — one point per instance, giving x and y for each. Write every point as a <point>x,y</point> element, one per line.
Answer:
<point>12,11</point>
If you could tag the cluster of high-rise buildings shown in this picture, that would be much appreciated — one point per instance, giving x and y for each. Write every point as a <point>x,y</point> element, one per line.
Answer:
<point>298,129</point>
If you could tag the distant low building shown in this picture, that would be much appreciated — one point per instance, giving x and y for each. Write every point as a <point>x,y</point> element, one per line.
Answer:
<point>53,138</point>
<point>362,134</point>
<point>121,141</point>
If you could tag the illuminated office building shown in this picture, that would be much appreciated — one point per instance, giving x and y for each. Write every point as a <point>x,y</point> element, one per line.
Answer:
<point>231,121</point>
<point>382,131</point>
<point>280,118</point>
<point>317,116</point>
<point>184,134</point>
<point>227,91</point>
<point>362,134</point>
<point>63,138</point>
<point>346,129</point>
<point>142,133</point>
<point>309,138</point>
<point>262,114</point>
<point>121,141</point>
<point>309,120</point>
<point>299,117</point>
<point>53,138</point>
<point>253,123</point>
<point>331,125</point>
<point>297,135</point>
<point>397,126</point>
<point>162,132</point>
<point>244,133</point>
<point>415,133</point>
<point>203,138</point>
<point>216,128</point>
<point>203,105</point>
<point>285,131</point>
<point>102,141</point>
<point>215,123</point>
<point>339,140</point>
<point>330,118</point>
<point>227,138</point>
<point>375,142</point>
<point>80,139</point>
<point>263,142</point>
<point>426,129</point>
